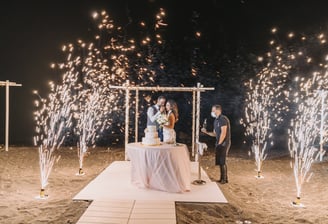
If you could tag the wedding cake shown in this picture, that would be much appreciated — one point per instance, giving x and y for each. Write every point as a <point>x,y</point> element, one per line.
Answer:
<point>151,136</point>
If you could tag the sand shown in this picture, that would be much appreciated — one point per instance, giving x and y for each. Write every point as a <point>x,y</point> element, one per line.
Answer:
<point>251,200</point>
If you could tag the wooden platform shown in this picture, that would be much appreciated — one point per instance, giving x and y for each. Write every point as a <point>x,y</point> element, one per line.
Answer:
<point>116,200</point>
<point>132,212</point>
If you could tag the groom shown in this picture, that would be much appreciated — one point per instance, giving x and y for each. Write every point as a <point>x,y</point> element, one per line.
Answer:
<point>154,112</point>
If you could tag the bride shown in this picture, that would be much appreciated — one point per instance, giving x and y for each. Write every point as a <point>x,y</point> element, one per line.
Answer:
<point>172,117</point>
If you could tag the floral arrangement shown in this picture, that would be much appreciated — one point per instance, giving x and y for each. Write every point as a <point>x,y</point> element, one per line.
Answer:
<point>162,119</point>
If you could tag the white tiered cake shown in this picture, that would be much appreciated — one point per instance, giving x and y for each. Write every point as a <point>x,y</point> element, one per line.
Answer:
<point>151,136</point>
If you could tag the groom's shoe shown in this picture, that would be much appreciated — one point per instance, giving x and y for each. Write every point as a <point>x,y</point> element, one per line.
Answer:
<point>224,181</point>
<point>224,174</point>
<point>219,181</point>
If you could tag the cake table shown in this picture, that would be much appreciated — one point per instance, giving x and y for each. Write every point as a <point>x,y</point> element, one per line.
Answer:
<point>165,167</point>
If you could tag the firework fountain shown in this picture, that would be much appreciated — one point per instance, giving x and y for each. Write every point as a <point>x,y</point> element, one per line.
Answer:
<point>52,118</point>
<point>257,116</point>
<point>308,128</point>
<point>89,122</point>
<point>258,113</point>
<point>265,104</point>
<point>102,64</point>
<point>302,137</point>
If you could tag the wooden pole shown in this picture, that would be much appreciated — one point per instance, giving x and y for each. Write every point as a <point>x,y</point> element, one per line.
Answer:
<point>193,122</point>
<point>197,112</point>
<point>7,117</point>
<point>136,117</point>
<point>127,109</point>
<point>199,181</point>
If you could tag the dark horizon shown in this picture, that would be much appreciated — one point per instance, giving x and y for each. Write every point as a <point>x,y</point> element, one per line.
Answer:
<point>33,33</point>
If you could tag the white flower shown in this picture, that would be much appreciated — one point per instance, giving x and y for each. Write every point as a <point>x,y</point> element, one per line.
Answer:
<point>162,119</point>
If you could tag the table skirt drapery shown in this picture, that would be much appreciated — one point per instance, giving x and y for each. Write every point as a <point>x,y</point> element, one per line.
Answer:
<point>165,167</point>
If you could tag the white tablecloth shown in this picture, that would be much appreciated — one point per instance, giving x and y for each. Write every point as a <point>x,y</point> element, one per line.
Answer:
<point>164,167</point>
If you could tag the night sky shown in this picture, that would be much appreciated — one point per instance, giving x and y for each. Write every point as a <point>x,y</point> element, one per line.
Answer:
<point>32,33</point>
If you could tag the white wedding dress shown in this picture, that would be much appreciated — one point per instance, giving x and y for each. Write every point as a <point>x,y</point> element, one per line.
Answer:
<point>169,135</point>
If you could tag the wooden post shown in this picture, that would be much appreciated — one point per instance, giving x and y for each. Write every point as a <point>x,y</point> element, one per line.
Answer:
<point>127,109</point>
<point>193,123</point>
<point>7,117</point>
<point>197,112</point>
<point>136,117</point>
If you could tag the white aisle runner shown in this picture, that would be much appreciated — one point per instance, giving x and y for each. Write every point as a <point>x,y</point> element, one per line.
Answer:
<point>116,200</point>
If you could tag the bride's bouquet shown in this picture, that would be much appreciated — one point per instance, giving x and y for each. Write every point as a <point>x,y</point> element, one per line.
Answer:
<point>162,119</point>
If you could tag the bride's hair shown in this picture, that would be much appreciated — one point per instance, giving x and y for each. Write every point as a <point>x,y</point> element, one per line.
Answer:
<point>174,108</point>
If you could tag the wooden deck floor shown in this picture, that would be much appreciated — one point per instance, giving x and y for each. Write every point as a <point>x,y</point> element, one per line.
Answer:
<point>131,212</point>
<point>116,200</point>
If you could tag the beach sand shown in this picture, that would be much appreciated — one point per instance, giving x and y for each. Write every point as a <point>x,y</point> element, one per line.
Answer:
<point>251,200</point>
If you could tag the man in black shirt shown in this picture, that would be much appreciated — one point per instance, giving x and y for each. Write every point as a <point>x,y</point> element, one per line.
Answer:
<point>223,140</point>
